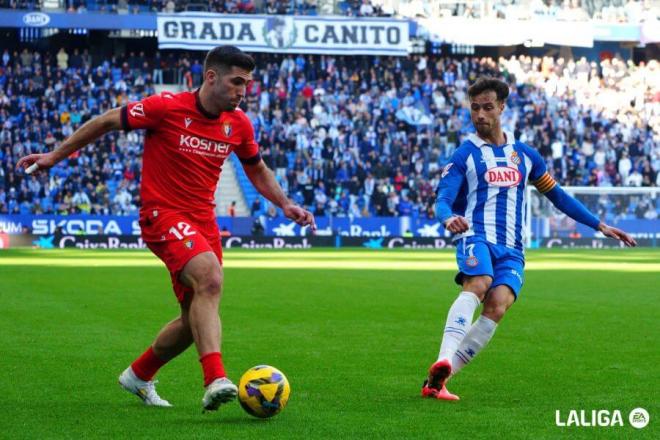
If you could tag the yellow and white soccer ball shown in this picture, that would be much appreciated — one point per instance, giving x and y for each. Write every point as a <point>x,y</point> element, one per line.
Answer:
<point>263,391</point>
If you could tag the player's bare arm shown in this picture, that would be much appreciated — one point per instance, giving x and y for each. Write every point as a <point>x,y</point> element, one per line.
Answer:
<point>89,132</point>
<point>264,181</point>
<point>618,234</point>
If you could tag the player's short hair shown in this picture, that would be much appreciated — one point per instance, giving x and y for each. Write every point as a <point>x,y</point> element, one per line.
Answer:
<point>487,84</point>
<point>224,57</point>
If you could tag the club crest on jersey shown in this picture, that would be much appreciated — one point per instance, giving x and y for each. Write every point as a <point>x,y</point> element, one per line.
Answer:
<point>137,110</point>
<point>226,128</point>
<point>503,176</point>
<point>472,261</point>
<point>189,243</point>
<point>515,158</point>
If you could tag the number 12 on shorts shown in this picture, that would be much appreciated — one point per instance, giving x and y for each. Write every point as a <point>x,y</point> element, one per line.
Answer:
<point>182,229</point>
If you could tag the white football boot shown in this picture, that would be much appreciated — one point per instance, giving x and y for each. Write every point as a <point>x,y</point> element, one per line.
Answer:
<point>221,390</point>
<point>145,390</point>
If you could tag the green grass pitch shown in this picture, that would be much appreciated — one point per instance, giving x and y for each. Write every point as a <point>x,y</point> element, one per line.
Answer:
<point>354,331</point>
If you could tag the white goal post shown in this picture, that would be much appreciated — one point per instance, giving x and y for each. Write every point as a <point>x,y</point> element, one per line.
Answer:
<point>636,207</point>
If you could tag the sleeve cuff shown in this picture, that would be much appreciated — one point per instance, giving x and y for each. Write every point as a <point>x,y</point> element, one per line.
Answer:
<point>251,160</point>
<point>124,119</point>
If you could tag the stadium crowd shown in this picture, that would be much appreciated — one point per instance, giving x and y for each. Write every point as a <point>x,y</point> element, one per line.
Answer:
<point>360,8</point>
<point>359,136</point>
<point>619,11</point>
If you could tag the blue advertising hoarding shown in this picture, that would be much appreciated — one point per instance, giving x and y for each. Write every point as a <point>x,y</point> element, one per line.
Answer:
<point>283,227</point>
<point>88,20</point>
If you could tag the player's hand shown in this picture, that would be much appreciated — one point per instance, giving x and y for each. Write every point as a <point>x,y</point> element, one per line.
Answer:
<point>43,162</point>
<point>612,232</point>
<point>457,224</point>
<point>299,215</point>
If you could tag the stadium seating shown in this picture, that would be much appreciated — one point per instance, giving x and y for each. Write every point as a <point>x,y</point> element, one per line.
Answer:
<point>144,6</point>
<point>346,136</point>
<point>617,11</point>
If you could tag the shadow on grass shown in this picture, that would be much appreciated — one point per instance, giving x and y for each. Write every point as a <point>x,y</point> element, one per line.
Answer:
<point>218,419</point>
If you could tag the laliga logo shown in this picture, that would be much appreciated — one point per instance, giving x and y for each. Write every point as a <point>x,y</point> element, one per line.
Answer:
<point>638,418</point>
<point>503,176</point>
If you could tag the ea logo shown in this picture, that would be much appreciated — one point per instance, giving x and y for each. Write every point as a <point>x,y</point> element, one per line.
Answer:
<point>639,418</point>
<point>503,176</point>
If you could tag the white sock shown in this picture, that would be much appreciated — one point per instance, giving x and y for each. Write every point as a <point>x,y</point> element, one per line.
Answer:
<point>479,335</point>
<point>458,323</point>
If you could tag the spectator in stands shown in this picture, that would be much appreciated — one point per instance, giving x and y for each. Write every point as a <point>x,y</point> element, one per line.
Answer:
<point>256,209</point>
<point>366,9</point>
<point>158,64</point>
<point>257,227</point>
<point>62,59</point>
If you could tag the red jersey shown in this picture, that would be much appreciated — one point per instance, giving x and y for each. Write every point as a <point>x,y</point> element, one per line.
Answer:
<point>185,148</point>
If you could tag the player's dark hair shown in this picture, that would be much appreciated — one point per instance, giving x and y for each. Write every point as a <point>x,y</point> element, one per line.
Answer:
<point>487,84</point>
<point>224,57</point>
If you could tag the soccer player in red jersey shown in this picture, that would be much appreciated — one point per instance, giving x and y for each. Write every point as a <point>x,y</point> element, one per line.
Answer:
<point>189,136</point>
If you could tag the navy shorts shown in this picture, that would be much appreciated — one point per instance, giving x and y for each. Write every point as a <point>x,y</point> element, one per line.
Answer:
<point>476,256</point>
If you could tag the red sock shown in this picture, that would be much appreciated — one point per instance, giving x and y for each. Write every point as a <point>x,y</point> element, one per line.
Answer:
<point>212,366</point>
<point>147,364</point>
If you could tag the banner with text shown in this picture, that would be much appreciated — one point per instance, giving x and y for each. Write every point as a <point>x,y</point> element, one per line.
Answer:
<point>60,241</point>
<point>284,34</point>
<point>47,226</point>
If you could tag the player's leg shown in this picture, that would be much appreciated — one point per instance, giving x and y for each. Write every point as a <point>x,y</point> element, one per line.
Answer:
<point>173,339</point>
<point>458,324</point>
<point>508,280</point>
<point>497,302</point>
<point>176,250</point>
<point>204,274</point>
<point>475,275</point>
<point>461,313</point>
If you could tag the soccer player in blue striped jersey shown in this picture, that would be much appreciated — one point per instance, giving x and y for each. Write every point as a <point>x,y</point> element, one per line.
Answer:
<point>481,200</point>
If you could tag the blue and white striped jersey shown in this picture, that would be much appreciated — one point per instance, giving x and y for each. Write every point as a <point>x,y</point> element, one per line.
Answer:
<point>486,185</point>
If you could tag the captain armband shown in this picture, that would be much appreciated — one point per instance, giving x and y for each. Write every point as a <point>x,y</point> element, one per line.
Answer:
<point>544,183</point>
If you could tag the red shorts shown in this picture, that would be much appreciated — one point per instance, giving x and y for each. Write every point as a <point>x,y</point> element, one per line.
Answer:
<point>176,237</point>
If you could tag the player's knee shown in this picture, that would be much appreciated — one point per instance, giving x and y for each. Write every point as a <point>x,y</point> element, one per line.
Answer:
<point>204,274</point>
<point>494,311</point>
<point>477,285</point>
<point>210,284</point>
<point>498,302</point>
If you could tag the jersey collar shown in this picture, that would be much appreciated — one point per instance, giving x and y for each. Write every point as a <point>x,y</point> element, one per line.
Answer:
<point>476,140</point>
<point>201,109</point>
